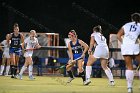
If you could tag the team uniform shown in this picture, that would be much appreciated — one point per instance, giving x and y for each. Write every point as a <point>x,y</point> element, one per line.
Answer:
<point>6,49</point>
<point>77,49</point>
<point>101,48</point>
<point>130,45</point>
<point>101,51</point>
<point>30,44</point>
<point>15,46</point>
<point>5,55</point>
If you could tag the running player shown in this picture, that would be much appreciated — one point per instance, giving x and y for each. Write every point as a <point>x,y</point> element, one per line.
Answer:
<point>30,43</point>
<point>98,41</point>
<point>15,48</point>
<point>130,48</point>
<point>77,48</point>
<point>5,57</point>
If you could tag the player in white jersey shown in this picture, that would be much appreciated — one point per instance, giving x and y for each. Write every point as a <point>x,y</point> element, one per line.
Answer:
<point>5,57</point>
<point>30,43</point>
<point>130,48</point>
<point>101,51</point>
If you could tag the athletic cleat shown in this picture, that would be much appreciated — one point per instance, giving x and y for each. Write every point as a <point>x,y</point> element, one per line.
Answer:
<point>70,79</point>
<point>112,83</point>
<point>20,76</point>
<point>12,76</point>
<point>130,90</point>
<point>15,76</point>
<point>31,77</point>
<point>87,82</point>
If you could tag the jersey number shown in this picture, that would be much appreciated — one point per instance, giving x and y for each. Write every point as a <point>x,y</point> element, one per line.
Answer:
<point>133,28</point>
<point>15,42</point>
<point>102,38</point>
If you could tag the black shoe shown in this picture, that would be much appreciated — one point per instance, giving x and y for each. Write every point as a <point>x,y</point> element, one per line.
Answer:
<point>12,76</point>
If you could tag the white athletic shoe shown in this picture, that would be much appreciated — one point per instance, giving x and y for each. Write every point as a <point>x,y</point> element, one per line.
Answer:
<point>0,74</point>
<point>20,76</point>
<point>70,79</point>
<point>31,77</point>
<point>112,83</point>
<point>130,90</point>
<point>87,82</point>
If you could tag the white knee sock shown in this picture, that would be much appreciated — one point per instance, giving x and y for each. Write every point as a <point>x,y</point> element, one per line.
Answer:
<point>2,69</point>
<point>7,69</point>
<point>129,77</point>
<point>88,72</point>
<point>22,70</point>
<point>109,74</point>
<point>30,69</point>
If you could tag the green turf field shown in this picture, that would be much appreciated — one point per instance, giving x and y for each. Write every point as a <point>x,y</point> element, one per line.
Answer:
<point>46,84</point>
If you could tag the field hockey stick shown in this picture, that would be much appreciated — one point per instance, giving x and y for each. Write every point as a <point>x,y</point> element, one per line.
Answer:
<point>68,63</point>
<point>137,69</point>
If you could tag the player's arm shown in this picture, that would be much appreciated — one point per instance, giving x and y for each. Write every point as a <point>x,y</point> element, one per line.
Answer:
<point>1,48</point>
<point>120,34</point>
<point>70,52</point>
<point>22,40</point>
<point>86,47</point>
<point>92,42</point>
<point>8,39</point>
<point>37,45</point>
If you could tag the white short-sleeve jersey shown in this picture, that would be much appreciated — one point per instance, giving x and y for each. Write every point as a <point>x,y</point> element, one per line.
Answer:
<point>99,38</point>
<point>101,49</point>
<point>130,45</point>
<point>6,48</point>
<point>29,44</point>
<point>131,33</point>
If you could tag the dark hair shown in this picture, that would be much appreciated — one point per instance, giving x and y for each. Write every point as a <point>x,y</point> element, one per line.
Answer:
<point>135,17</point>
<point>15,25</point>
<point>97,28</point>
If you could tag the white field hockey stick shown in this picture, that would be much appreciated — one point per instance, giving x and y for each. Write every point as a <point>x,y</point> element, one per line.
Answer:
<point>69,63</point>
<point>137,69</point>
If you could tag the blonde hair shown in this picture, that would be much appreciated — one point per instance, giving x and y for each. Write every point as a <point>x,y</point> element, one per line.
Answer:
<point>33,32</point>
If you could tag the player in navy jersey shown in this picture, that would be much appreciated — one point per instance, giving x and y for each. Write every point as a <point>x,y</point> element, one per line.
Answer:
<point>77,48</point>
<point>15,50</point>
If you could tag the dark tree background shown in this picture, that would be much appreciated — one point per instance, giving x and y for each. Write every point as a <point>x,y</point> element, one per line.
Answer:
<point>59,16</point>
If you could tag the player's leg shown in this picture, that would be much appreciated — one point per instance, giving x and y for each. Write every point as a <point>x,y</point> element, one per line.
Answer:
<point>81,70</point>
<point>12,58</point>
<point>30,69</point>
<point>16,64</point>
<point>107,71</point>
<point>23,68</point>
<point>7,66</point>
<point>2,65</point>
<point>138,59</point>
<point>91,60</point>
<point>129,73</point>
<point>70,73</point>
<point>17,56</point>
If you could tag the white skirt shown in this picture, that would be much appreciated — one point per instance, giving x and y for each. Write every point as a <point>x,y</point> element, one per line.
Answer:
<point>28,54</point>
<point>130,49</point>
<point>101,52</point>
<point>6,55</point>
